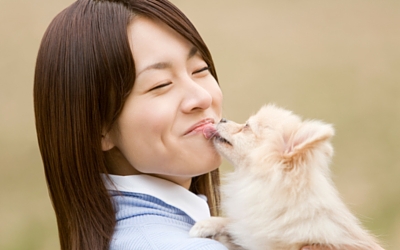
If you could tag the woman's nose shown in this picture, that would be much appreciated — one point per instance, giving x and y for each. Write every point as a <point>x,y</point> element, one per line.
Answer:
<point>195,98</point>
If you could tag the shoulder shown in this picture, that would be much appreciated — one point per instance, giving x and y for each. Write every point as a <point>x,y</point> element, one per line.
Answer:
<point>145,222</point>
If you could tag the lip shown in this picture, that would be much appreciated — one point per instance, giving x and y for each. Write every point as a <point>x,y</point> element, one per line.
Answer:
<point>199,125</point>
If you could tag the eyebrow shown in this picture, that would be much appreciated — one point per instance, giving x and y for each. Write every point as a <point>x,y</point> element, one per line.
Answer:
<point>165,65</point>
<point>193,51</point>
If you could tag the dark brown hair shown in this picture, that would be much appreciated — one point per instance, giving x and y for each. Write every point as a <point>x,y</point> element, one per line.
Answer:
<point>84,73</point>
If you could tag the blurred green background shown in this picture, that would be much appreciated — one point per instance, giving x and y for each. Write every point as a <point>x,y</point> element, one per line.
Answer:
<point>338,61</point>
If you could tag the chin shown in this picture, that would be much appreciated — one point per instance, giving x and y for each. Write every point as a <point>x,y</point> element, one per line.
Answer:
<point>208,165</point>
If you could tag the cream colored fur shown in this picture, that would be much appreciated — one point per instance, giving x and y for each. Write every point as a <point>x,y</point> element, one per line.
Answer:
<point>280,194</point>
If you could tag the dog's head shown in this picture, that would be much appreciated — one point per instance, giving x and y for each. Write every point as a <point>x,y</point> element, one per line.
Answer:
<point>274,137</point>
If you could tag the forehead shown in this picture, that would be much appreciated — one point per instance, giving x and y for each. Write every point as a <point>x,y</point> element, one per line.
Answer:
<point>152,41</point>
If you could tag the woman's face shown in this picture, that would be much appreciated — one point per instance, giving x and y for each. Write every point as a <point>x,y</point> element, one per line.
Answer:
<point>173,94</point>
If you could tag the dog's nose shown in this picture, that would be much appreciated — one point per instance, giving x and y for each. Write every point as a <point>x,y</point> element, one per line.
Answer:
<point>223,120</point>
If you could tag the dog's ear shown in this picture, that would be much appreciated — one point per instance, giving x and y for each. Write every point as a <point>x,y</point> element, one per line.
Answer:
<point>308,137</point>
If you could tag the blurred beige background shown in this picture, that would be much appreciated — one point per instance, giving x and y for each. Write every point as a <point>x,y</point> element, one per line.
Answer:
<point>338,61</point>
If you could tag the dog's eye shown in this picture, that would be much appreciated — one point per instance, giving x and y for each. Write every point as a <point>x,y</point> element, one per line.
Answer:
<point>246,125</point>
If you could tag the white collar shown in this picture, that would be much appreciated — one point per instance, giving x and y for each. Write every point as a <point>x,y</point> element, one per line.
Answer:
<point>194,206</point>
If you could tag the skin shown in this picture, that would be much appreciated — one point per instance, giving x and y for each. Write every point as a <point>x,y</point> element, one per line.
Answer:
<point>173,92</point>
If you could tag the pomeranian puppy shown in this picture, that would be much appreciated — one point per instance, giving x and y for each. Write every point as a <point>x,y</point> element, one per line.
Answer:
<point>280,195</point>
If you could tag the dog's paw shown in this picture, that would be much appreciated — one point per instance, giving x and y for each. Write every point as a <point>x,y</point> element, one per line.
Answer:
<point>209,228</point>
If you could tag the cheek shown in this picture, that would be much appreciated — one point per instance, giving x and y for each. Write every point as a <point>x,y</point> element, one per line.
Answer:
<point>142,117</point>
<point>133,130</point>
<point>139,136</point>
<point>218,100</point>
<point>215,91</point>
<point>143,123</point>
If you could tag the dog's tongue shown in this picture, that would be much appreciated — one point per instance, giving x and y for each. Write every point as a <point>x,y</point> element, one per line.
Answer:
<point>209,131</point>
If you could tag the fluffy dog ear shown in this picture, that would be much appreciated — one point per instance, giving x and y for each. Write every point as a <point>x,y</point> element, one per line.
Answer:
<point>309,136</point>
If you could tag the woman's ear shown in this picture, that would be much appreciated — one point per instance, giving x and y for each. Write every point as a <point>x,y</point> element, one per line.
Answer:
<point>106,141</point>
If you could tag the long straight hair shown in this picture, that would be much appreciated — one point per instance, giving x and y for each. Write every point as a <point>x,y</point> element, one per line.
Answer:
<point>84,73</point>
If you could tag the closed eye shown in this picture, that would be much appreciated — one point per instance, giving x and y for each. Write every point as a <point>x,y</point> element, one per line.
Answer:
<point>245,127</point>
<point>201,70</point>
<point>160,86</point>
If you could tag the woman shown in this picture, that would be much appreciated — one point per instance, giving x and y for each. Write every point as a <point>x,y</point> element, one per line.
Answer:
<point>123,90</point>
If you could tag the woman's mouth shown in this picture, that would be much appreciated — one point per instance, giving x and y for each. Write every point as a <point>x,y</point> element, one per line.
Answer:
<point>200,126</point>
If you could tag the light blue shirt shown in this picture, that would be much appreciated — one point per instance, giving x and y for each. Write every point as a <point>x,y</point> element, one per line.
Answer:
<point>153,214</point>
